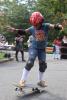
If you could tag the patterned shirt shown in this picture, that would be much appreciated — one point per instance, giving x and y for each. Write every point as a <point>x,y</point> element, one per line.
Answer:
<point>40,36</point>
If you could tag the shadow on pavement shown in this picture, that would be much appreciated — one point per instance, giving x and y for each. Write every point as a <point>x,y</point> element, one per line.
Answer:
<point>30,95</point>
<point>45,95</point>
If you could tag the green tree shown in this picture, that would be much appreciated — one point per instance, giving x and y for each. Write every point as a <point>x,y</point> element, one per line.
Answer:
<point>54,11</point>
<point>15,15</point>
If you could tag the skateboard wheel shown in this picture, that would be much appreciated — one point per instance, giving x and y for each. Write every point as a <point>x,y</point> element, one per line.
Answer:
<point>37,90</point>
<point>33,89</point>
<point>16,89</point>
<point>20,89</point>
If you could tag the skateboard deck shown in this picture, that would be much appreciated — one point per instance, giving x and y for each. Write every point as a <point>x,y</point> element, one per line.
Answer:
<point>29,88</point>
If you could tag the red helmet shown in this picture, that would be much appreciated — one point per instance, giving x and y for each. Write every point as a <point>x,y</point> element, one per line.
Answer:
<point>36,18</point>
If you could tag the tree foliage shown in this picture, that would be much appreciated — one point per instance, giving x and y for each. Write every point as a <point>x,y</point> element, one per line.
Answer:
<point>17,14</point>
<point>54,11</point>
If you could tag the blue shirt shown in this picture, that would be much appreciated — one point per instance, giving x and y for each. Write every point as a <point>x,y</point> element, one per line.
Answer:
<point>40,36</point>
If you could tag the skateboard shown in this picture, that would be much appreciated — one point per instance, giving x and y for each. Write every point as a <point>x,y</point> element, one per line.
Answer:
<point>28,88</point>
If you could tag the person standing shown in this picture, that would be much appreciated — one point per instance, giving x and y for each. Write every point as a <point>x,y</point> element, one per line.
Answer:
<point>56,50</point>
<point>64,47</point>
<point>19,46</point>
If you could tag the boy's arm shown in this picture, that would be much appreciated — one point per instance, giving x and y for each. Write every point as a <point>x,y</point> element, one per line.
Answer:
<point>56,26</point>
<point>28,31</point>
<point>18,31</point>
<point>12,29</point>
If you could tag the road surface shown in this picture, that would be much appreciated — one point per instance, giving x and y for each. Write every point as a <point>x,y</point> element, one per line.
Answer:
<point>56,75</point>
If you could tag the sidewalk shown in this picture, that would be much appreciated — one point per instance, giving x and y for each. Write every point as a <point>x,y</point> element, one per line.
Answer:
<point>6,59</point>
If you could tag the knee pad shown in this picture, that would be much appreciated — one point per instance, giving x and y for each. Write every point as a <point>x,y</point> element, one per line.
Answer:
<point>42,66</point>
<point>29,64</point>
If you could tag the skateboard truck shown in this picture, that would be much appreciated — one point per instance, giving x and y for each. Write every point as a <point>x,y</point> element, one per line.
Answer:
<point>36,90</point>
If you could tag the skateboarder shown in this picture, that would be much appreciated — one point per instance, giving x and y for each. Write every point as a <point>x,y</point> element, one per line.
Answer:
<point>39,30</point>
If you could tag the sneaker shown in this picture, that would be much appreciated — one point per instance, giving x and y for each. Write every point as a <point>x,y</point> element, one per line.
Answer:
<point>17,60</point>
<point>22,83</point>
<point>24,60</point>
<point>42,84</point>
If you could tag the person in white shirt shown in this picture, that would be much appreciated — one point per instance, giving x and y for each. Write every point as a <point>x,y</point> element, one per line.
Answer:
<point>30,41</point>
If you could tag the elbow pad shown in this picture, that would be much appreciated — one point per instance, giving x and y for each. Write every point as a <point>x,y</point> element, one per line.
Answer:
<point>57,27</point>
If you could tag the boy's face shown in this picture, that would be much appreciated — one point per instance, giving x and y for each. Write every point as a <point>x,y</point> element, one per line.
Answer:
<point>38,26</point>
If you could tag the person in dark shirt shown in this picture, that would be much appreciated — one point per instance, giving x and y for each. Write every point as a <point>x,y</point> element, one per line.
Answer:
<point>19,46</point>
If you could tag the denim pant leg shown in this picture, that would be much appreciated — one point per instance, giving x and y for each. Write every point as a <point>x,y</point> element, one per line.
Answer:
<point>42,60</point>
<point>41,55</point>
<point>32,53</point>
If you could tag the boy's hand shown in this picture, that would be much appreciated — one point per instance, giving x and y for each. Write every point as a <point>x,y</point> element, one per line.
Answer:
<point>61,27</point>
<point>11,29</point>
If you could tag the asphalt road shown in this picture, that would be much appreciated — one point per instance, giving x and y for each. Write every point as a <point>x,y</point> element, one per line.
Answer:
<point>56,75</point>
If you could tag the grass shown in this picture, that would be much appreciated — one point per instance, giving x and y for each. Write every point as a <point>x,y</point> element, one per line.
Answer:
<point>1,56</point>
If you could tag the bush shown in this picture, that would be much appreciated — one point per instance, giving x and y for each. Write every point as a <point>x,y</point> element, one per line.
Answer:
<point>7,55</point>
<point>1,55</point>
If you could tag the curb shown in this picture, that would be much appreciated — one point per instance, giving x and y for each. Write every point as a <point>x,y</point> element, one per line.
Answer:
<point>6,60</point>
